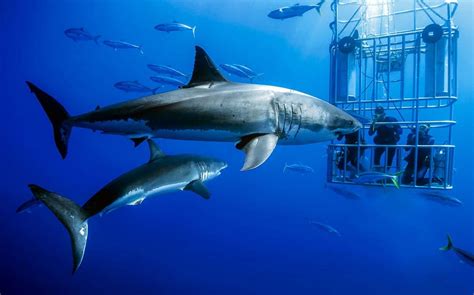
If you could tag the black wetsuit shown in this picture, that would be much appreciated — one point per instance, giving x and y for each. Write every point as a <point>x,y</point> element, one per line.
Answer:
<point>352,138</point>
<point>386,134</point>
<point>423,162</point>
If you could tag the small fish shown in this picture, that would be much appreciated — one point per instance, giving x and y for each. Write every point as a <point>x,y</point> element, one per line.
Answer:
<point>167,80</point>
<point>166,70</point>
<point>80,34</point>
<point>322,226</point>
<point>299,168</point>
<point>175,27</point>
<point>251,74</point>
<point>344,192</point>
<point>374,176</point>
<point>134,86</point>
<point>238,71</point>
<point>440,198</point>
<point>122,45</point>
<point>295,10</point>
<point>28,205</point>
<point>463,254</point>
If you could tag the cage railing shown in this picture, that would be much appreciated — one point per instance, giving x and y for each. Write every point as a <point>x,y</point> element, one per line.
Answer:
<point>434,171</point>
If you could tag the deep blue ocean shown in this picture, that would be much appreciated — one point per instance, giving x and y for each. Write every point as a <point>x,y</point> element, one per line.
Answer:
<point>251,236</point>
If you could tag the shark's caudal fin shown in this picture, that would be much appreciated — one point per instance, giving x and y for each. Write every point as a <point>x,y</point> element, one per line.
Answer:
<point>449,246</point>
<point>205,71</point>
<point>71,215</point>
<point>58,116</point>
<point>26,206</point>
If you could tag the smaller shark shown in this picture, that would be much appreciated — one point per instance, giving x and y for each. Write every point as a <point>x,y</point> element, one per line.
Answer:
<point>463,254</point>
<point>294,10</point>
<point>162,174</point>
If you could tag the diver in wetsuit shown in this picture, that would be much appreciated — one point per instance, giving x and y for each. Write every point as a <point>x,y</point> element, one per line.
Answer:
<point>387,134</point>
<point>352,158</point>
<point>424,154</point>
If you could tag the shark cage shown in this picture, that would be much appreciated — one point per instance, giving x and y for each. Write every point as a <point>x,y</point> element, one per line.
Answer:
<point>396,58</point>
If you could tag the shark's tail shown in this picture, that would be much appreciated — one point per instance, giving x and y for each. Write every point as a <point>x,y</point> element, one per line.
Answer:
<point>194,32</point>
<point>96,39</point>
<point>71,215</point>
<point>58,116</point>
<point>449,246</point>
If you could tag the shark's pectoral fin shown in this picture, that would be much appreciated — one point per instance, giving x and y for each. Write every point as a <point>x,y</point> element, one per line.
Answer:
<point>257,147</point>
<point>199,188</point>
<point>138,140</point>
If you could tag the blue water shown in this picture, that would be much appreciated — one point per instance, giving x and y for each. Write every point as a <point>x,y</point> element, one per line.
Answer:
<point>251,236</point>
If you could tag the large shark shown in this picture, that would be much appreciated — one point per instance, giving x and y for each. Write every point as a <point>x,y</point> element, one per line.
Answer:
<point>209,107</point>
<point>160,175</point>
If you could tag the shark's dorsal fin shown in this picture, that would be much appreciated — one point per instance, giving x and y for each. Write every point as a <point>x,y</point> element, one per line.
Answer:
<point>155,152</point>
<point>205,72</point>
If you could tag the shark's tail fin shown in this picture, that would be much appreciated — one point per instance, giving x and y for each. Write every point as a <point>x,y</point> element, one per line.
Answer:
<point>96,39</point>
<point>73,217</point>
<point>449,246</point>
<point>194,32</point>
<point>58,116</point>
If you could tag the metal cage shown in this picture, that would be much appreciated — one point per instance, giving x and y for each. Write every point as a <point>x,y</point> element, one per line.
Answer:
<point>401,55</point>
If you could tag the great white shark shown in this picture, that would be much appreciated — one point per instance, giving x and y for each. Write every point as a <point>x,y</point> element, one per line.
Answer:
<point>210,108</point>
<point>162,174</point>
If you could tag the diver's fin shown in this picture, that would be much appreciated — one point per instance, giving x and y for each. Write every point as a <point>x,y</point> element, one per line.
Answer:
<point>199,188</point>
<point>73,217</point>
<point>26,206</point>
<point>257,147</point>
<point>155,151</point>
<point>138,140</point>
<point>204,71</point>
<point>449,246</point>
<point>58,116</point>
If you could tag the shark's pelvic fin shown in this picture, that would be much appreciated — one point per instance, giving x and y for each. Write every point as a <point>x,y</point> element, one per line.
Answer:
<point>205,71</point>
<point>138,140</point>
<point>258,148</point>
<point>199,188</point>
<point>155,151</point>
<point>71,215</point>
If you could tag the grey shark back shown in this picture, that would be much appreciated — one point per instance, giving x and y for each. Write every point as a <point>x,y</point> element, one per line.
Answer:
<point>162,174</point>
<point>210,108</point>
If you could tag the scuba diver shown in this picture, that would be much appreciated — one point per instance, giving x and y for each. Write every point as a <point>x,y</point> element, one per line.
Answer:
<point>352,158</point>
<point>387,134</point>
<point>424,155</point>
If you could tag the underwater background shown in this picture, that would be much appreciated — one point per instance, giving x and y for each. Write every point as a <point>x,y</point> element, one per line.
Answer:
<point>251,237</point>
